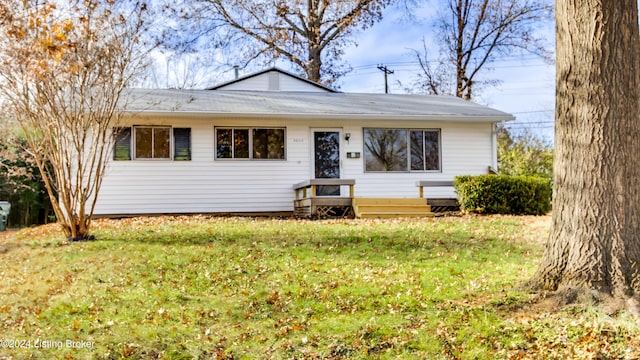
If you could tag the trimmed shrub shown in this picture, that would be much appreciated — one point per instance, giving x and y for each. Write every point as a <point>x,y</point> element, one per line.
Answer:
<point>503,194</point>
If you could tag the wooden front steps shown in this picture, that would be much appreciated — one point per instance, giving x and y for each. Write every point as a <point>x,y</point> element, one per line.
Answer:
<point>391,207</point>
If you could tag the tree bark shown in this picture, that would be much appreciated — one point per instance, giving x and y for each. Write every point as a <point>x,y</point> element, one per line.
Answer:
<point>313,66</point>
<point>595,232</point>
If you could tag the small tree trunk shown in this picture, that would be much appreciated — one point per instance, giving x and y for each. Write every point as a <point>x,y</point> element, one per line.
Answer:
<point>595,235</point>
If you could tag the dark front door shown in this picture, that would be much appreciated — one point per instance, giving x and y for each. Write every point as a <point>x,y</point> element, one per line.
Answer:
<point>326,146</point>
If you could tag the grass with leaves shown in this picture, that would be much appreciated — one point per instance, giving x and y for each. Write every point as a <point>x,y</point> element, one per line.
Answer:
<point>244,288</point>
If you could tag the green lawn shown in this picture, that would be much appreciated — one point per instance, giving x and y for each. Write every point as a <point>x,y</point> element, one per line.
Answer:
<point>241,288</point>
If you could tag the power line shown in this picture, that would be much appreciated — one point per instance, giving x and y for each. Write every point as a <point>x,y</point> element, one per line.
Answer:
<point>530,122</point>
<point>496,66</point>
<point>533,111</point>
<point>528,126</point>
<point>533,128</point>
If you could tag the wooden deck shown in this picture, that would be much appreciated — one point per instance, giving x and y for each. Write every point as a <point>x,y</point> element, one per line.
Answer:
<point>309,204</point>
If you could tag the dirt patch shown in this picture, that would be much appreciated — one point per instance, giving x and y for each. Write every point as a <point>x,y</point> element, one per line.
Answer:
<point>7,233</point>
<point>569,297</point>
<point>5,237</point>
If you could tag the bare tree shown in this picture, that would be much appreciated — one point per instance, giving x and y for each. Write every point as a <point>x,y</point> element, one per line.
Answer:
<point>474,33</point>
<point>438,79</point>
<point>385,149</point>
<point>174,70</point>
<point>62,72</point>
<point>308,33</point>
<point>595,235</point>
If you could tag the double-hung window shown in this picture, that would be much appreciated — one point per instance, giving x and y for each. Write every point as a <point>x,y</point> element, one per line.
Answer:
<point>250,143</point>
<point>401,150</point>
<point>152,143</point>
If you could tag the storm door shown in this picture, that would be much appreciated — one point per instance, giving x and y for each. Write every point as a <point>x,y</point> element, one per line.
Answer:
<point>326,149</point>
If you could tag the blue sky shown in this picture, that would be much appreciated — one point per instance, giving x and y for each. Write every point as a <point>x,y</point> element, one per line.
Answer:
<point>527,83</point>
<point>526,88</point>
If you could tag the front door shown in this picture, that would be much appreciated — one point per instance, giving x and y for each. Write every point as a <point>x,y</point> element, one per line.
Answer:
<point>326,150</point>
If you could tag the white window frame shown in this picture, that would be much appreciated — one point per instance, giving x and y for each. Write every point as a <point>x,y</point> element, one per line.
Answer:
<point>439,132</point>
<point>408,145</point>
<point>250,130</point>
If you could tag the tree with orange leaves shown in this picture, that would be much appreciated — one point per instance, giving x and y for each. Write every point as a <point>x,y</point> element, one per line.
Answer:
<point>63,69</point>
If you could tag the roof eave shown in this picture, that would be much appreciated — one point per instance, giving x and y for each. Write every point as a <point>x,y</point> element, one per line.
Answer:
<point>318,116</point>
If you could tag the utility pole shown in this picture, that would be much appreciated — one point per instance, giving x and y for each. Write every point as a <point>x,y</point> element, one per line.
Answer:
<point>386,71</point>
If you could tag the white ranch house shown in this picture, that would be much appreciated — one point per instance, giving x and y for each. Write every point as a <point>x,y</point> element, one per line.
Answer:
<point>240,147</point>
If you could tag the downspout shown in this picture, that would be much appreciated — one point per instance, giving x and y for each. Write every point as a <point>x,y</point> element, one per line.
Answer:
<point>494,146</point>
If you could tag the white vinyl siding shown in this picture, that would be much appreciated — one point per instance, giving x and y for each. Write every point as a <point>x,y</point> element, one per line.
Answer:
<point>272,81</point>
<point>204,185</point>
<point>465,150</point>
<point>287,83</point>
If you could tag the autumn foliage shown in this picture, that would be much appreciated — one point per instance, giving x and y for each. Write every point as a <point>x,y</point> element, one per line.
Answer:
<point>63,67</point>
<point>197,287</point>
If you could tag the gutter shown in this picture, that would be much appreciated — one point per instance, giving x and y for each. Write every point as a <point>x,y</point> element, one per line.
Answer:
<point>321,116</point>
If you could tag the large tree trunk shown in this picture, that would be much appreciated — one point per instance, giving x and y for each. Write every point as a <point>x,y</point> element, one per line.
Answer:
<point>313,66</point>
<point>595,234</point>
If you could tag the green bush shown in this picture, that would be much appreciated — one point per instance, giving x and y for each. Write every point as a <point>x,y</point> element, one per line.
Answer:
<point>503,194</point>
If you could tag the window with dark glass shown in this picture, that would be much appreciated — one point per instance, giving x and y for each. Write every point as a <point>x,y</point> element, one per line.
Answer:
<point>268,143</point>
<point>152,142</point>
<point>181,144</point>
<point>122,144</point>
<point>385,149</point>
<point>389,150</point>
<point>425,150</point>
<point>250,143</point>
<point>232,143</point>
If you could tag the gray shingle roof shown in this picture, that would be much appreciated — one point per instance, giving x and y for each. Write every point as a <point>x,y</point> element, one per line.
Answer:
<point>308,105</point>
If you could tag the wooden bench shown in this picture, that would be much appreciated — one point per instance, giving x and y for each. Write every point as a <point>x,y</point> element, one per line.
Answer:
<point>430,183</point>
<point>309,203</point>
<point>438,205</point>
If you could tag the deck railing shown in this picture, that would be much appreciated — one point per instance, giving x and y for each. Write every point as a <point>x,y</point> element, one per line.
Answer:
<point>309,203</point>
<point>430,183</point>
<point>308,188</point>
